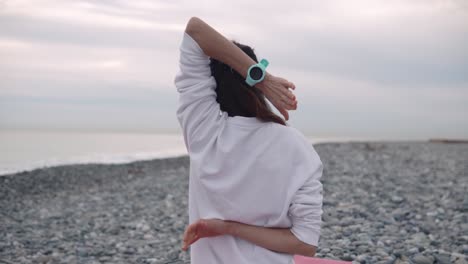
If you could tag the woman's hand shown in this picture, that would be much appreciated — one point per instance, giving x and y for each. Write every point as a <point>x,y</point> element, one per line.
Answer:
<point>276,89</point>
<point>203,228</point>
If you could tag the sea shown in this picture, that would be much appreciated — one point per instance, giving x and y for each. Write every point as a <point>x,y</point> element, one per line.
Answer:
<point>28,149</point>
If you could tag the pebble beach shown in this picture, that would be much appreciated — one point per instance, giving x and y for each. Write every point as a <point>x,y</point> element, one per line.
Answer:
<point>384,202</point>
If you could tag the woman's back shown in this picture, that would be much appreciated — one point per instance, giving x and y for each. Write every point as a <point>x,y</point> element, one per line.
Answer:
<point>249,172</point>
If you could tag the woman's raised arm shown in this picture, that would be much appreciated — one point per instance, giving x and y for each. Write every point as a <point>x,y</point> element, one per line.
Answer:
<point>215,45</point>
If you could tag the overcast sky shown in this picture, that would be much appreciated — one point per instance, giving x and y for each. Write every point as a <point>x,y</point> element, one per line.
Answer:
<point>369,69</point>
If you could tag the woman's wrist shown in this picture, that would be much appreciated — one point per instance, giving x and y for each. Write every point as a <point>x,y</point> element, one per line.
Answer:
<point>230,228</point>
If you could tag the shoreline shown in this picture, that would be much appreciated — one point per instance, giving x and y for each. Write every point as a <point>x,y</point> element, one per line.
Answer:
<point>31,168</point>
<point>130,158</point>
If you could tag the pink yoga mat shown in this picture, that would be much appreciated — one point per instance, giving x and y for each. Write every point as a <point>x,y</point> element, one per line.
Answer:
<point>307,260</point>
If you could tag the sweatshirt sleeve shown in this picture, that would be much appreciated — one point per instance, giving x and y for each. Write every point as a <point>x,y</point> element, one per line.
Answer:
<point>305,209</point>
<point>197,111</point>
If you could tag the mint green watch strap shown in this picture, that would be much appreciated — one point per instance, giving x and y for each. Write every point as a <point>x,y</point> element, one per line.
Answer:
<point>262,65</point>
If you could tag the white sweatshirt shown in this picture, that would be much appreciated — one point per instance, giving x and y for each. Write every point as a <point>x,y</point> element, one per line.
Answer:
<point>243,169</point>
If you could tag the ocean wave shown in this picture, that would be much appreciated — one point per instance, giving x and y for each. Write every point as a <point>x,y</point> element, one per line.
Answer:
<point>102,158</point>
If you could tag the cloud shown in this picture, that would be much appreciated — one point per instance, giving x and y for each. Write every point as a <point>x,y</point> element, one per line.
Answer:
<point>24,65</point>
<point>402,64</point>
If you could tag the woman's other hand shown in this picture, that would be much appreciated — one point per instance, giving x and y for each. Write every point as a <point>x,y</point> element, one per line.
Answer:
<point>203,228</point>
<point>276,90</point>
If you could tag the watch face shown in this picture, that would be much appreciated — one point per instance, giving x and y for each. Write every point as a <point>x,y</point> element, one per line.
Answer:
<point>256,73</point>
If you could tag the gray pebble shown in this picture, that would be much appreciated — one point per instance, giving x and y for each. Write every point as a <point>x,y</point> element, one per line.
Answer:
<point>421,259</point>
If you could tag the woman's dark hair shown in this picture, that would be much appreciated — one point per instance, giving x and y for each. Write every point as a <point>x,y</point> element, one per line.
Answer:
<point>235,96</point>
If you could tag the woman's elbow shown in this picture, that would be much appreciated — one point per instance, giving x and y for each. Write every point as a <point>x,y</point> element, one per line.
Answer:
<point>193,25</point>
<point>311,251</point>
<point>307,250</point>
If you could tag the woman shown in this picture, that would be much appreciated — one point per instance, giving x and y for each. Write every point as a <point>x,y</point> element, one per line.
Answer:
<point>254,191</point>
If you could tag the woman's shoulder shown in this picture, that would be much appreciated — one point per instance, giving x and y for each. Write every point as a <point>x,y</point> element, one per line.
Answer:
<point>289,132</point>
<point>292,137</point>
